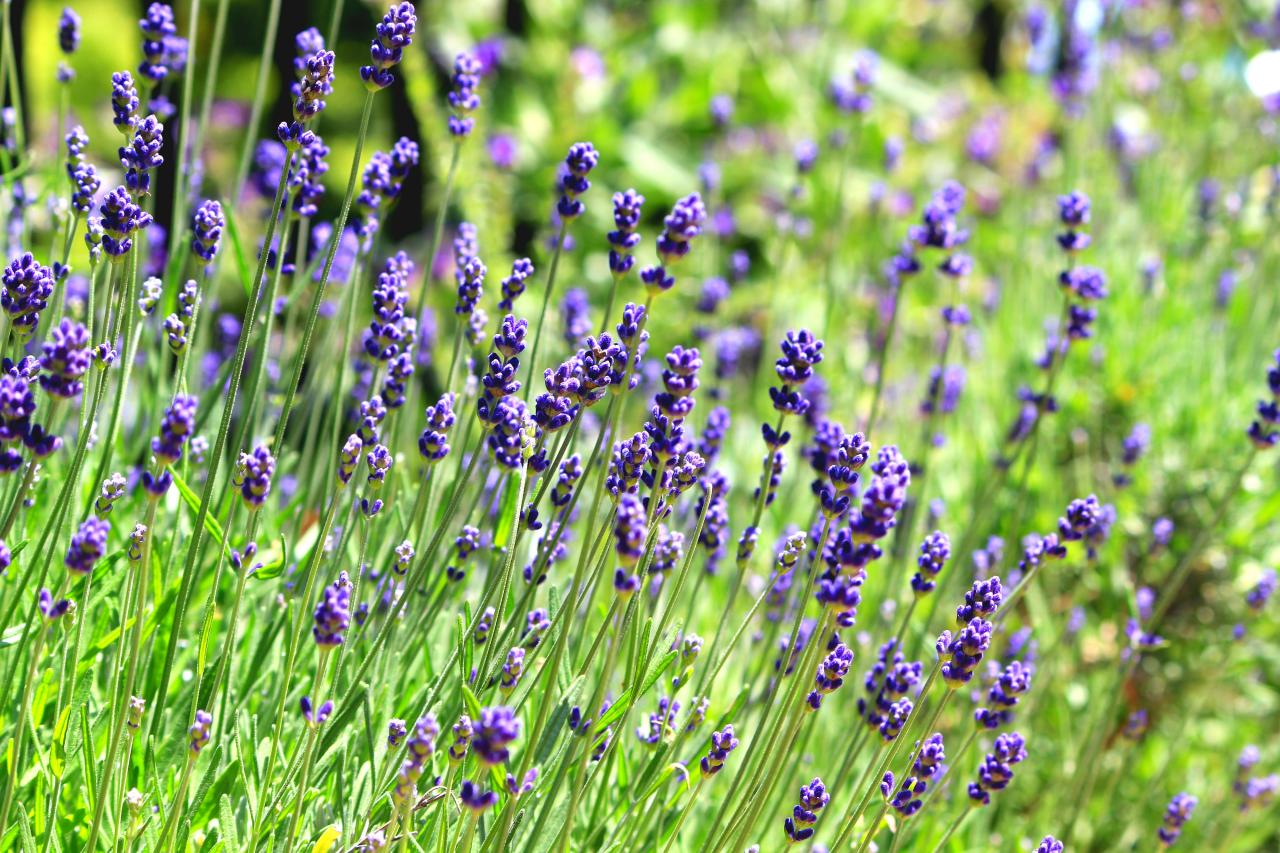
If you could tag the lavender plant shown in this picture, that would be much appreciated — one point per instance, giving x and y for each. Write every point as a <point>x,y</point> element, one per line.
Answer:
<point>269,521</point>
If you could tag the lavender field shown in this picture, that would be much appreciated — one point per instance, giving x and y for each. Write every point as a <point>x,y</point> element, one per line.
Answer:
<point>611,426</point>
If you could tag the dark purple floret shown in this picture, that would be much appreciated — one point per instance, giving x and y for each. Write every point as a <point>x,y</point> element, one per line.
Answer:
<point>996,771</point>
<point>831,674</point>
<point>157,29</point>
<point>470,286</point>
<point>52,610</point>
<point>475,798</point>
<point>1082,515</point>
<point>206,225</point>
<point>514,285</point>
<point>65,359</point>
<point>305,174</point>
<point>88,544</point>
<point>1258,596</point>
<point>85,184</point>
<point>630,531</point>
<point>433,444</point>
<point>1049,844</point>
<point>333,614</point>
<point>890,679</point>
<point>124,102</point>
<point>315,716</point>
<point>349,459</point>
<point>895,719</point>
<point>1176,815</point>
<point>856,97</point>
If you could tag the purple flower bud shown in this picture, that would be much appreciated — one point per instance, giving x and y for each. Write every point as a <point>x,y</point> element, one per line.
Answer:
<point>198,735</point>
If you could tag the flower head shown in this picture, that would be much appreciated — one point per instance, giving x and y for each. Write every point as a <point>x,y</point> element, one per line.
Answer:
<point>333,614</point>
<point>88,545</point>
<point>393,34</point>
<point>198,734</point>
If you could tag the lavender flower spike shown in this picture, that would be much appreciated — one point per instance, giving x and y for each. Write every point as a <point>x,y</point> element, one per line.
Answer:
<point>1176,815</point>
<point>394,34</point>
<point>723,742</point>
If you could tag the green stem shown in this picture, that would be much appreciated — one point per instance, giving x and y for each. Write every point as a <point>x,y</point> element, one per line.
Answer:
<point>542,314</point>
<point>195,546</point>
<point>255,111</point>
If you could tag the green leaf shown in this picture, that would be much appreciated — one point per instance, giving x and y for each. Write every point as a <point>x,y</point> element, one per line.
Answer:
<point>211,525</point>
<point>615,712</point>
<point>227,824</point>
<point>472,703</point>
<point>275,568</point>
<point>655,671</point>
<point>510,508</point>
<point>13,634</point>
<point>237,252</point>
<point>556,723</point>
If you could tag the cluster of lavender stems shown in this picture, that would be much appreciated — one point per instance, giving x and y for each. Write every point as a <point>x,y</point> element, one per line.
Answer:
<point>620,540</point>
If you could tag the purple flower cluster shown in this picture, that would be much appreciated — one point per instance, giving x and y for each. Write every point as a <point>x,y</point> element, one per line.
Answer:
<point>462,97</point>
<point>1263,432</point>
<point>393,34</point>
<point>206,230</point>
<point>433,444</point>
<point>28,285</point>
<point>813,799</point>
<point>961,653</point>
<point>830,675</point>
<point>996,770</point>
<point>909,797</point>
<point>1176,816</point>
<point>198,734</point>
<point>253,477</point>
<point>496,728</point>
<point>889,680</point>
<point>578,163</point>
<point>935,550</point>
<point>142,155</point>
<point>65,359</point>
<point>333,614</point>
<point>623,239</point>
<point>723,742</point>
<point>1003,696</point>
<point>421,746</point>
